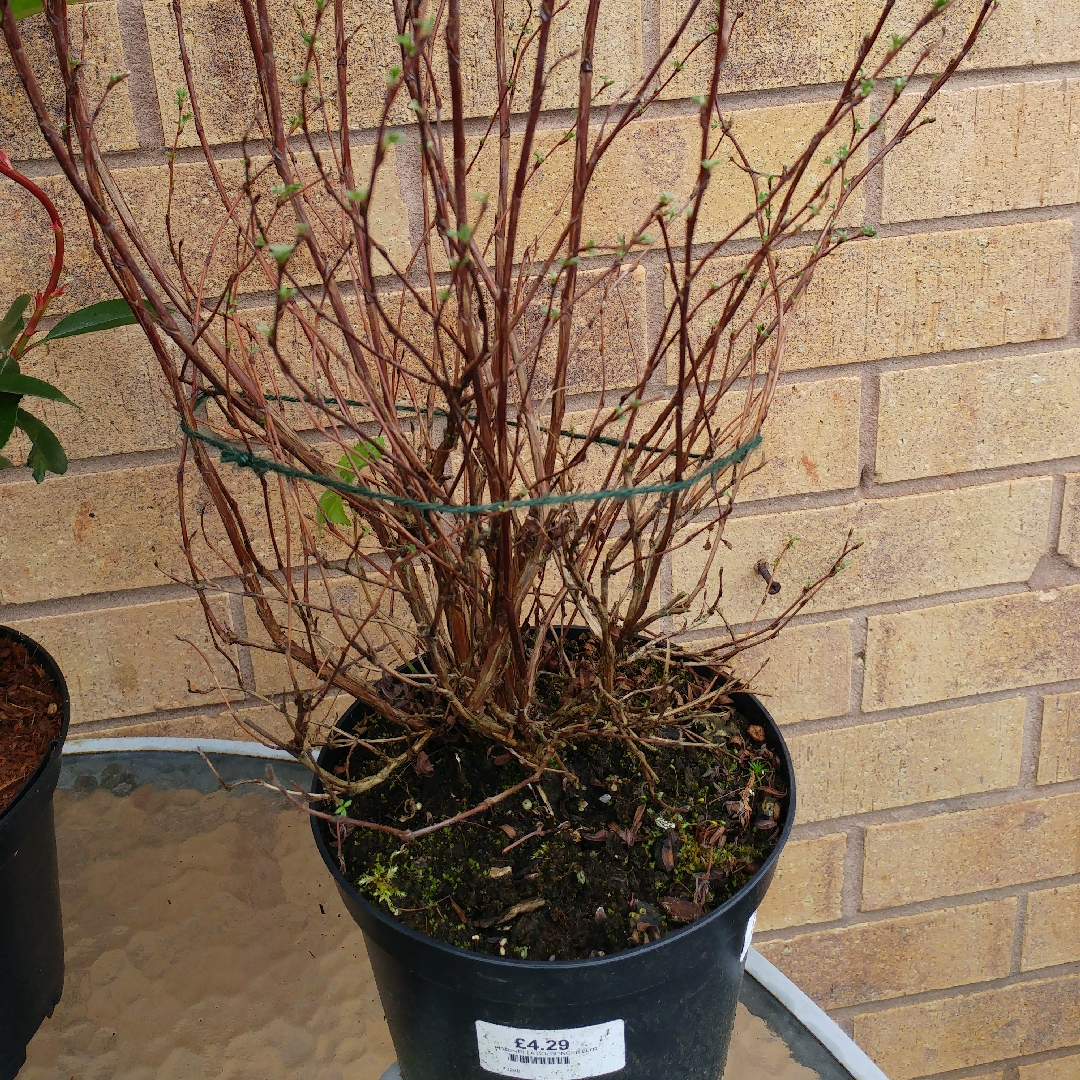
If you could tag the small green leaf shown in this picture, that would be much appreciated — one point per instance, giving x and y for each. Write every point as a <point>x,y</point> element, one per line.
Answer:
<point>46,453</point>
<point>332,509</point>
<point>12,324</point>
<point>6,463</point>
<point>285,191</point>
<point>361,455</point>
<point>24,384</point>
<point>106,315</point>
<point>281,252</point>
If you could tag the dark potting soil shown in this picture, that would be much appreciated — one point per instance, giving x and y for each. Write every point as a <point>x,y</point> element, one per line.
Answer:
<point>30,717</point>
<point>559,871</point>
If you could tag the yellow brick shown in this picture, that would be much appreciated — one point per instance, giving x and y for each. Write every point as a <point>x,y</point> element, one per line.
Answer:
<point>225,84</point>
<point>386,633</point>
<point>973,647</point>
<point>651,157</point>
<point>806,673</point>
<point>190,726</point>
<point>121,530</point>
<point>608,344</point>
<point>971,850</point>
<point>928,293</point>
<point>806,888</point>
<point>1059,746</point>
<point>962,417</point>
<point>196,216</point>
<point>616,55</point>
<point>1019,34</point>
<point>225,75</point>
<point>913,759</point>
<point>130,660</point>
<point>906,295</point>
<point>874,961</point>
<point>1069,537</point>
<point>991,148</point>
<point>25,233</point>
<point>115,380</point>
<point>813,43</point>
<point>981,536</point>
<point>810,439</point>
<point>242,725</point>
<point>1052,928</point>
<point>816,42</point>
<point>104,531</point>
<point>1061,1068</point>
<point>972,1029</point>
<point>104,57</point>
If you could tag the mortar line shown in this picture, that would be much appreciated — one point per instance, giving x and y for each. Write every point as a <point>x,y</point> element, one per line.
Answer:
<point>1057,512</point>
<point>238,619</point>
<point>917,602</point>
<point>141,81</point>
<point>1061,971</point>
<point>852,886</point>
<point>749,507</point>
<point>869,404</point>
<point>856,718</point>
<point>933,906</point>
<point>1029,752</point>
<point>987,1069</point>
<point>1017,951</point>
<point>650,35</point>
<point>798,377</point>
<point>924,810</point>
<point>733,100</point>
<point>125,597</point>
<point>857,670</point>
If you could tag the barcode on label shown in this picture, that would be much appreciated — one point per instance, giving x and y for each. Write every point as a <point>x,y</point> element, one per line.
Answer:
<point>551,1053</point>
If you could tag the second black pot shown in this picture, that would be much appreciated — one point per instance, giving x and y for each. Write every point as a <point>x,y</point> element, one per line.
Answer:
<point>31,930</point>
<point>664,1010</point>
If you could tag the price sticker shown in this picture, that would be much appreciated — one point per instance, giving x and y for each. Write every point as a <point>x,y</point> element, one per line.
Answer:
<point>552,1053</point>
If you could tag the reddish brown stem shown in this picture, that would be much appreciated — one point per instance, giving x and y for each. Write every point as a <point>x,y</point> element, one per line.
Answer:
<point>51,289</point>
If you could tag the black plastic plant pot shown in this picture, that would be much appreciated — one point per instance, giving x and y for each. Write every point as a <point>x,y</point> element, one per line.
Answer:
<point>31,930</point>
<point>662,1011</point>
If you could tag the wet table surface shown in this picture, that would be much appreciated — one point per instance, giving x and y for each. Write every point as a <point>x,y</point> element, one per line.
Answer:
<point>205,939</point>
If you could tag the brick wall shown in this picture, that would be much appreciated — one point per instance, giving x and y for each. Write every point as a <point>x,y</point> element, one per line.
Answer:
<point>930,897</point>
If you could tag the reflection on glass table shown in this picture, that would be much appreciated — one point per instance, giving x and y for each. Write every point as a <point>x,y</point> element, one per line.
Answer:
<point>205,939</point>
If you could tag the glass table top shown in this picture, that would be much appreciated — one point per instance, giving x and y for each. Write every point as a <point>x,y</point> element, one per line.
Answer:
<point>205,939</point>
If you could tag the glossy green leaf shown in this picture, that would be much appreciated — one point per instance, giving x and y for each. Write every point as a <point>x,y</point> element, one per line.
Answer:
<point>332,509</point>
<point>6,463</point>
<point>46,453</point>
<point>12,324</point>
<point>31,387</point>
<point>102,316</point>
<point>22,9</point>
<point>9,409</point>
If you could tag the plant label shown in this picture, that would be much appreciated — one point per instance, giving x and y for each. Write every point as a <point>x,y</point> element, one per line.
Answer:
<point>552,1054</point>
<point>748,938</point>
